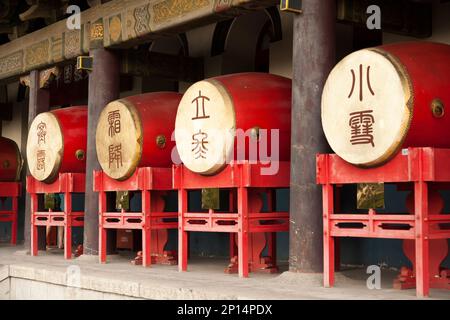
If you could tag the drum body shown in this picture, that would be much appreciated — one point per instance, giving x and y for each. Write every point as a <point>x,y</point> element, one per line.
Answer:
<point>136,132</point>
<point>379,100</point>
<point>10,160</point>
<point>215,115</point>
<point>57,143</point>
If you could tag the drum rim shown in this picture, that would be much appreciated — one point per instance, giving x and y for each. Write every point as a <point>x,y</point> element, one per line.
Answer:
<point>408,89</point>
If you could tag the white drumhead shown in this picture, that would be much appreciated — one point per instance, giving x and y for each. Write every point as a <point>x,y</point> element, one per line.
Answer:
<point>367,107</point>
<point>118,139</point>
<point>205,127</point>
<point>45,146</point>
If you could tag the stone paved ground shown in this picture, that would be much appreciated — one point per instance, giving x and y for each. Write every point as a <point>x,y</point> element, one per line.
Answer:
<point>46,277</point>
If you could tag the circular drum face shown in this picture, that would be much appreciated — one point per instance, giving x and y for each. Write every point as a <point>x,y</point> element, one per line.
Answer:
<point>205,127</point>
<point>45,146</point>
<point>119,139</point>
<point>367,107</point>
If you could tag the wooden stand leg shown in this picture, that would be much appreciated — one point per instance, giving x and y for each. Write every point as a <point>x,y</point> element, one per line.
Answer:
<point>422,242</point>
<point>67,241</point>
<point>146,230</point>
<point>102,244</point>
<point>243,232</point>
<point>182,235</point>
<point>34,240</point>
<point>102,207</point>
<point>272,236</point>
<point>146,247</point>
<point>14,222</point>
<point>68,225</point>
<point>272,246</point>
<point>232,240</point>
<point>34,228</point>
<point>328,240</point>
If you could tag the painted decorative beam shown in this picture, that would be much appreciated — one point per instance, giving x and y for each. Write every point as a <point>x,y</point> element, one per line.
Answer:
<point>118,23</point>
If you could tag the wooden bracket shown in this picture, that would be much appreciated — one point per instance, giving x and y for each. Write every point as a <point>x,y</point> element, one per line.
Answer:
<point>47,76</point>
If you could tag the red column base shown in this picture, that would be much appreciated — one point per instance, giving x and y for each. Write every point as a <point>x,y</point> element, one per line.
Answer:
<point>407,280</point>
<point>78,251</point>
<point>168,258</point>
<point>265,265</point>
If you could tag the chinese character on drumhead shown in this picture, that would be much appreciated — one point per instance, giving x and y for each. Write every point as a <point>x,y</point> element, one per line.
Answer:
<point>200,100</point>
<point>361,124</point>
<point>115,155</point>
<point>41,132</point>
<point>199,142</point>
<point>361,81</point>
<point>40,163</point>
<point>114,122</point>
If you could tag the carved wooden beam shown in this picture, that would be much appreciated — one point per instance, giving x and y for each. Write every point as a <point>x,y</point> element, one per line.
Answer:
<point>117,23</point>
<point>171,67</point>
<point>45,77</point>
<point>25,80</point>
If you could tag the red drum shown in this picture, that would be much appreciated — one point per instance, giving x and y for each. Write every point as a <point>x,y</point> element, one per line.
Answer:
<point>379,100</point>
<point>136,132</point>
<point>10,160</point>
<point>57,143</point>
<point>234,117</point>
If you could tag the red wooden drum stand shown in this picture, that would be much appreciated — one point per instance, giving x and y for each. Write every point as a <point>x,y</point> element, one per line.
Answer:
<point>425,231</point>
<point>248,222</point>
<point>153,183</point>
<point>10,190</point>
<point>66,183</point>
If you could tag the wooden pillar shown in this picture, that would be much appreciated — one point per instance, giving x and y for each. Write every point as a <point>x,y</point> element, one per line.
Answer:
<point>313,59</point>
<point>103,88</point>
<point>39,100</point>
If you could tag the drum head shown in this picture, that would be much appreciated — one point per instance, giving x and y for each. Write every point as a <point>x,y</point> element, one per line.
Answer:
<point>45,147</point>
<point>205,127</point>
<point>119,139</point>
<point>367,107</point>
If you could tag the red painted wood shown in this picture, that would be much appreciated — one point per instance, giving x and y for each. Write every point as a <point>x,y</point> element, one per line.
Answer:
<point>10,160</point>
<point>261,100</point>
<point>247,180</point>
<point>402,168</point>
<point>66,183</point>
<point>420,166</point>
<point>428,65</point>
<point>157,112</point>
<point>73,123</point>
<point>10,190</point>
<point>153,183</point>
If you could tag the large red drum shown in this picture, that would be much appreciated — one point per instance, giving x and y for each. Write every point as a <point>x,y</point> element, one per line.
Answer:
<point>57,143</point>
<point>10,160</point>
<point>379,100</point>
<point>216,114</point>
<point>136,132</point>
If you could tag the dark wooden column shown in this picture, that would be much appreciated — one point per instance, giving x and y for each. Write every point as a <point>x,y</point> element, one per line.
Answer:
<point>39,100</point>
<point>103,88</point>
<point>313,58</point>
